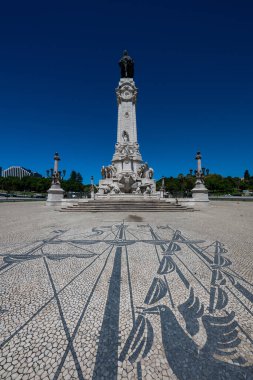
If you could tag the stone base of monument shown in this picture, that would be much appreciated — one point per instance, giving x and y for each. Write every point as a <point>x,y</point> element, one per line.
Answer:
<point>126,197</point>
<point>126,185</point>
<point>55,196</point>
<point>200,192</point>
<point>126,205</point>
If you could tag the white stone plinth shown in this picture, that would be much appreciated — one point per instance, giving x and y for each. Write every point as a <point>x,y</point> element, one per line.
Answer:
<point>65,202</point>
<point>200,192</point>
<point>55,195</point>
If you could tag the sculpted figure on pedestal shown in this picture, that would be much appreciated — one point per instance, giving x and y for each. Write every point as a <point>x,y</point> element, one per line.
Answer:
<point>113,170</point>
<point>126,66</point>
<point>105,189</point>
<point>141,170</point>
<point>150,173</point>
<point>125,136</point>
<point>136,148</point>
<point>145,172</point>
<point>115,189</point>
<point>108,172</point>
<point>103,172</point>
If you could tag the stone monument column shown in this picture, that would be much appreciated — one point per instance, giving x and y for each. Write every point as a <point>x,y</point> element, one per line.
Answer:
<point>198,158</point>
<point>127,157</point>
<point>56,163</point>
<point>127,173</point>
<point>199,192</point>
<point>55,193</point>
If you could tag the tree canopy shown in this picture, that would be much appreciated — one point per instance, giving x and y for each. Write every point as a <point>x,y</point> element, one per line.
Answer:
<point>215,183</point>
<point>180,185</point>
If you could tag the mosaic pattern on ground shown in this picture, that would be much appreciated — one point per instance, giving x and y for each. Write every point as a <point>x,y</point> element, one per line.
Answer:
<point>124,301</point>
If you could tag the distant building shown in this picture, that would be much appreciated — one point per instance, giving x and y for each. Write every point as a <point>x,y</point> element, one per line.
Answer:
<point>19,171</point>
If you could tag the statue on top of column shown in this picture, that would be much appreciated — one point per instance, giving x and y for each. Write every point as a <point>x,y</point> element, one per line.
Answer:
<point>126,66</point>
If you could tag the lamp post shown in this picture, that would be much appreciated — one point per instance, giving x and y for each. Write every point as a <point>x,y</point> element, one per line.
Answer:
<point>92,192</point>
<point>55,193</point>
<point>200,192</point>
<point>181,181</point>
<point>198,158</point>
<point>162,189</point>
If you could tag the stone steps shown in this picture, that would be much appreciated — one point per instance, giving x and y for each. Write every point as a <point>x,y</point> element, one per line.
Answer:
<point>126,206</point>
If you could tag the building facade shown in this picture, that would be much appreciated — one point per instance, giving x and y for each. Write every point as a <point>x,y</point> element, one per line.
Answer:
<point>19,171</point>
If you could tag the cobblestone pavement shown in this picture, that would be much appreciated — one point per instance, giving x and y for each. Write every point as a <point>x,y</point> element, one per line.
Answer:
<point>99,296</point>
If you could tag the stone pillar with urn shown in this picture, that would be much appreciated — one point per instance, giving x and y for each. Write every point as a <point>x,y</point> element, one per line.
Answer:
<point>199,192</point>
<point>162,188</point>
<point>55,193</point>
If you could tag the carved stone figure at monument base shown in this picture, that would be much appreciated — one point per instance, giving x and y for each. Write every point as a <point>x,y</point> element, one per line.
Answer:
<point>148,190</point>
<point>103,173</point>
<point>150,173</point>
<point>115,189</point>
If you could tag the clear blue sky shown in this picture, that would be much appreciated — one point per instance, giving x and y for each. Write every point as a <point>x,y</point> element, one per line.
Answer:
<point>193,68</point>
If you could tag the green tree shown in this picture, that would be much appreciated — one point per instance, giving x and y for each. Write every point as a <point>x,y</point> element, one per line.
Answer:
<point>79,178</point>
<point>74,183</point>
<point>73,175</point>
<point>246,175</point>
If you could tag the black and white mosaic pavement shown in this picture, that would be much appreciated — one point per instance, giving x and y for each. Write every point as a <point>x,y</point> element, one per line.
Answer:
<point>124,301</point>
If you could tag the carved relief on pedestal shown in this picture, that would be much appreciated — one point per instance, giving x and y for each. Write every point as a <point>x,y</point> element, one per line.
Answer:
<point>145,171</point>
<point>126,92</point>
<point>126,150</point>
<point>108,171</point>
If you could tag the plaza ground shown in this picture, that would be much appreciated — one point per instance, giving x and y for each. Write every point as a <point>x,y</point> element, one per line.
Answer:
<point>73,286</point>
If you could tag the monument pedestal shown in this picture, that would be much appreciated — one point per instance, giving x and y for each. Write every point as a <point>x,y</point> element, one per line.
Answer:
<point>55,195</point>
<point>200,192</point>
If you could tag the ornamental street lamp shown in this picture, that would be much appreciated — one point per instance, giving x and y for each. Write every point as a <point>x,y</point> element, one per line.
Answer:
<point>163,181</point>
<point>92,192</point>
<point>55,193</point>
<point>200,192</point>
<point>162,189</point>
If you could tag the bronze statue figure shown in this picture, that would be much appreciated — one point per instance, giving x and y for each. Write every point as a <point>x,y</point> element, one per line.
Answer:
<point>126,66</point>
